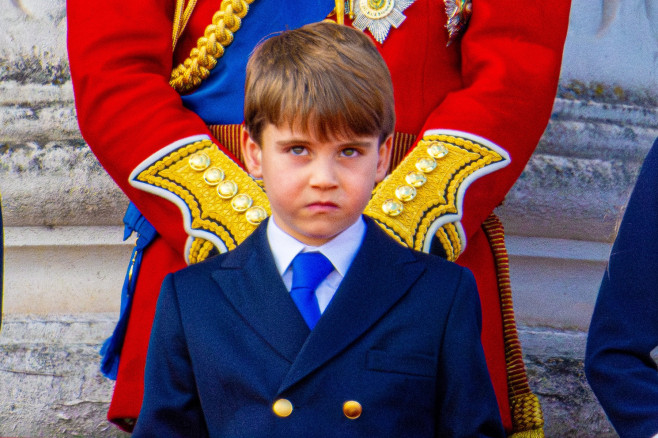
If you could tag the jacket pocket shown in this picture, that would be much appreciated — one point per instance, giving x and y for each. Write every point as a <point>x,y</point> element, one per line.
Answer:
<point>412,364</point>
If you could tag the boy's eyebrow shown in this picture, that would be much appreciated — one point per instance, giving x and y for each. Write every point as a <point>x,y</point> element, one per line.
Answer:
<point>364,143</point>
<point>292,141</point>
<point>297,141</point>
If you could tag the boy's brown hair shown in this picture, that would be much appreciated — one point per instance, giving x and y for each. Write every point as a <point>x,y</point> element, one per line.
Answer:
<point>323,77</point>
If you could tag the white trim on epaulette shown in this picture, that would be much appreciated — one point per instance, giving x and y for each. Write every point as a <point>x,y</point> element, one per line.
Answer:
<point>456,218</point>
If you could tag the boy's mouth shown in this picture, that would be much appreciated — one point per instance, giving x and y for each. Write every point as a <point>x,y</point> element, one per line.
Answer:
<point>322,206</point>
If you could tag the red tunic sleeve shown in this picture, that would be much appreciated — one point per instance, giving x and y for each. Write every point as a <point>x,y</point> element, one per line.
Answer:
<point>511,54</point>
<point>120,66</point>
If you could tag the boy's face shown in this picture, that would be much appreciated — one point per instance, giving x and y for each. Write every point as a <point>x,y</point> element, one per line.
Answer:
<point>316,188</point>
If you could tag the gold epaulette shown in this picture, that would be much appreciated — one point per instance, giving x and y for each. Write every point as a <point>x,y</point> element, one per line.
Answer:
<point>423,196</point>
<point>223,203</point>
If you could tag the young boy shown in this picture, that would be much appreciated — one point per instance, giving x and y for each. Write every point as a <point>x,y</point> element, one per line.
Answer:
<point>388,343</point>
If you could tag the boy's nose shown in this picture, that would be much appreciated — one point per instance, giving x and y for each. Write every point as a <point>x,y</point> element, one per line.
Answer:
<point>323,174</point>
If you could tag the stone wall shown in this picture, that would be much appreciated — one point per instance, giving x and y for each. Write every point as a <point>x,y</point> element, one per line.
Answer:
<point>65,258</point>
<point>50,379</point>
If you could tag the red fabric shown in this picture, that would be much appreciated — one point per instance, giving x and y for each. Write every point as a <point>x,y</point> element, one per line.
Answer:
<point>496,81</point>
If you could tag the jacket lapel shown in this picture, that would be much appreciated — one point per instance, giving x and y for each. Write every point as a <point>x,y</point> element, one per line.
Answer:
<point>381,274</point>
<point>262,300</point>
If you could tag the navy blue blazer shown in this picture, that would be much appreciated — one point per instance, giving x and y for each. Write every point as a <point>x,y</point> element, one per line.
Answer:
<point>624,326</point>
<point>401,337</point>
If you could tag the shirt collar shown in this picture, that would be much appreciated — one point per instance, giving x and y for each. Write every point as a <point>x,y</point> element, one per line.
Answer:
<point>340,250</point>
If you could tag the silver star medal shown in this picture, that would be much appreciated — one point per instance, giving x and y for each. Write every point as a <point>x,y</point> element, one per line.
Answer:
<point>379,15</point>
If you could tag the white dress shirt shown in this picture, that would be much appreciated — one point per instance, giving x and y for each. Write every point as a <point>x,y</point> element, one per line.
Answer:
<point>340,251</point>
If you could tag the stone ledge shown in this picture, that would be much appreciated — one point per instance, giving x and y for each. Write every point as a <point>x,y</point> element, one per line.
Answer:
<point>619,113</point>
<point>563,249</point>
<point>569,197</point>
<point>64,269</point>
<point>14,93</point>
<point>19,237</point>
<point>50,375</point>
<point>598,139</point>
<point>73,329</point>
<point>59,183</point>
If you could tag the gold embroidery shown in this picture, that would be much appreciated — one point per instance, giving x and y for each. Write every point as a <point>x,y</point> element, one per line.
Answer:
<point>200,250</point>
<point>208,211</point>
<point>437,197</point>
<point>210,47</point>
<point>446,243</point>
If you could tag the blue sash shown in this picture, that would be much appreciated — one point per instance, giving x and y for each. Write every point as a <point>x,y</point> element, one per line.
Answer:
<point>219,100</point>
<point>111,349</point>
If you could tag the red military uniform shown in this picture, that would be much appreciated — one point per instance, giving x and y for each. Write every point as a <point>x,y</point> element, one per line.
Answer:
<point>494,83</point>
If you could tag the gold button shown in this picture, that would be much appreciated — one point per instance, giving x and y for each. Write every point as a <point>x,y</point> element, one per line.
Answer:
<point>241,203</point>
<point>437,150</point>
<point>426,165</point>
<point>352,409</point>
<point>199,161</point>
<point>256,215</point>
<point>405,193</point>
<point>213,176</point>
<point>415,179</point>
<point>392,207</point>
<point>282,407</point>
<point>227,189</point>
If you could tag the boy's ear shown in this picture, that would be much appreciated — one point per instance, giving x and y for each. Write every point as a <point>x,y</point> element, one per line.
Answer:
<point>384,158</point>
<point>252,154</point>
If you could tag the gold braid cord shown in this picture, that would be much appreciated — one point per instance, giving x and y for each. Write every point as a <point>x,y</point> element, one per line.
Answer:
<point>210,47</point>
<point>450,241</point>
<point>427,187</point>
<point>221,198</point>
<point>200,250</point>
<point>527,416</point>
<point>181,18</point>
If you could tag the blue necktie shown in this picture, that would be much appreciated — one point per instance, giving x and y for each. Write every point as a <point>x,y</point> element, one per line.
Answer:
<point>308,271</point>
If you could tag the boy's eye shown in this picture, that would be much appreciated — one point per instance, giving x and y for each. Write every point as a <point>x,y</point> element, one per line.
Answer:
<point>349,152</point>
<point>298,150</point>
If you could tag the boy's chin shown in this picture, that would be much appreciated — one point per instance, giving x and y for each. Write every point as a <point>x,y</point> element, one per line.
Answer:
<point>319,236</point>
<point>315,240</point>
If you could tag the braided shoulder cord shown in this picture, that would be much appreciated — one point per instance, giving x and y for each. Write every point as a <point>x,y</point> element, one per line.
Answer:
<point>210,47</point>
